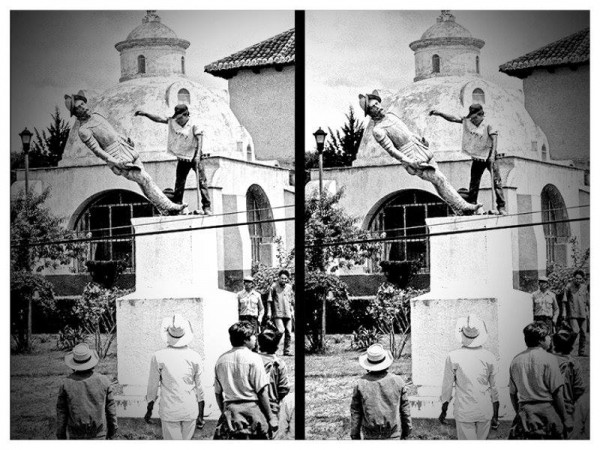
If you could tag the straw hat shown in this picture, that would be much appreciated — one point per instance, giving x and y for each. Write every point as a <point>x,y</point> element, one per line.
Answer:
<point>471,331</point>
<point>376,358</point>
<point>176,331</point>
<point>81,358</point>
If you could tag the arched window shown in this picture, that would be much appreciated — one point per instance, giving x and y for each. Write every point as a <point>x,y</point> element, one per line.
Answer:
<point>556,234</point>
<point>183,96</point>
<point>249,153</point>
<point>403,215</point>
<point>183,64</point>
<point>109,216</point>
<point>478,96</point>
<point>477,64</point>
<point>258,209</point>
<point>435,63</point>
<point>544,153</point>
<point>141,64</point>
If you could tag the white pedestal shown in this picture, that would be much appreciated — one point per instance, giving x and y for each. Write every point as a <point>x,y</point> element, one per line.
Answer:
<point>176,273</point>
<point>470,273</point>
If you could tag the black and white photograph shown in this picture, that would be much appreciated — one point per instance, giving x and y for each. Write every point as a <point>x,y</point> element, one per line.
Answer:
<point>447,224</point>
<point>152,224</point>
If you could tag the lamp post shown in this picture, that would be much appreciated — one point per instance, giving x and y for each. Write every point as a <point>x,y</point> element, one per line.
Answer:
<point>320,136</point>
<point>26,141</point>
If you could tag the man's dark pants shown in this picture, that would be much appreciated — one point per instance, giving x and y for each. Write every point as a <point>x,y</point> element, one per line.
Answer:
<point>181,173</point>
<point>477,169</point>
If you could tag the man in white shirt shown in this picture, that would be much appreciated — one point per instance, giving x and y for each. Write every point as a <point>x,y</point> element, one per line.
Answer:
<point>176,370</point>
<point>250,305</point>
<point>471,370</point>
<point>184,142</point>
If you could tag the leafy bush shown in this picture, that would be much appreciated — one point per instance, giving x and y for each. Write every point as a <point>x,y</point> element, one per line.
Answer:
<point>560,276</point>
<point>391,312</point>
<point>363,338</point>
<point>69,337</point>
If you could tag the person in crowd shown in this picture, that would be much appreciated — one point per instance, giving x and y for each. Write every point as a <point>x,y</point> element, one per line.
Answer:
<point>176,370</point>
<point>576,303</point>
<point>545,306</point>
<point>242,389</point>
<point>280,306</point>
<point>413,154</point>
<point>379,407</point>
<point>471,370</point>
<point>276,368</point>
<point>250,305</point>
<point>480,142</point>
<point>536,388</point>
<point>86,407</point>
<point>185,142</point>
<point>562,346</point>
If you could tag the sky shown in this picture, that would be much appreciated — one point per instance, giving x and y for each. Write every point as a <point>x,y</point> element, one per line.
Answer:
<point>59,52</point>
<point>352,52</point>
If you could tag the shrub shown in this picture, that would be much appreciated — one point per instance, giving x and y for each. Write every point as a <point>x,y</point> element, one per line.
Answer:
<point>69,337</point>
<point>363,338</point>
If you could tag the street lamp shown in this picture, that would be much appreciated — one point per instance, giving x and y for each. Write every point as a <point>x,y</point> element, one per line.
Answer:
<point>320,136</point>
<point>26,141</point>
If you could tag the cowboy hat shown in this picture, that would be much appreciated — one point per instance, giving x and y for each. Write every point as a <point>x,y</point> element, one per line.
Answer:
<point>471,331</point>
<point>176,331</point>
<point>70,99</point>
<point>249,279</point>
<point>376,358</point>
<point>81,358</point>
<point>363,100</point>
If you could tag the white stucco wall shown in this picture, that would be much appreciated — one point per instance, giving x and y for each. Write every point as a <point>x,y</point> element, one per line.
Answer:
<point>163,60</point>
<point>264,105</point>
<point>454,60</point>
<point>559,103</point>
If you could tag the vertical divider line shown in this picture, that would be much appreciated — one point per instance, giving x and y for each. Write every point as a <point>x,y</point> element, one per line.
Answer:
<point>300,178</point>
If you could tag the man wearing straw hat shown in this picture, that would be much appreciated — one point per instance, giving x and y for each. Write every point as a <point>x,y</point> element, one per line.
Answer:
<point>379,408</point>
<point>104,141</point>
<point>480,141</point>
<point>414,155</point>
<point>176,370</point>
<point>250,306</point>
<point>185,142</point>
<point>471,370</point>
<point>86,407</point>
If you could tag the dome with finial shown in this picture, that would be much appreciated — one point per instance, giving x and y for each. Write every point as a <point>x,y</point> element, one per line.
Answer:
<point>151,27</point>
<point>446,27</point>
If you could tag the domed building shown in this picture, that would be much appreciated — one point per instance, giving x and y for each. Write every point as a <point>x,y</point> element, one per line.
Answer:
<point>385,197</point>
<point>243,189</point>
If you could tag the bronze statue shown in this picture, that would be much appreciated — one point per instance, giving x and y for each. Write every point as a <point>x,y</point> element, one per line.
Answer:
<point>414,155</point>
<point>118,152</point>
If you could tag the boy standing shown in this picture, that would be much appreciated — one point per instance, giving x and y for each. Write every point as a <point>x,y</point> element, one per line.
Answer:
<point>379,408</point>
<point>480,141</point>
<point>545,306</point>
<point>250,306</point>
<point>280,305</point>
<point>86,407</point>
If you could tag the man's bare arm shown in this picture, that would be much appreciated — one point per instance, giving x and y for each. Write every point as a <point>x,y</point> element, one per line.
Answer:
<point>152,117</point>
<point>448,117</point>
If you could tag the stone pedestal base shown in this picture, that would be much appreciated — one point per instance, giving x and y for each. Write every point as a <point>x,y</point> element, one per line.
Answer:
<point>471,273</point>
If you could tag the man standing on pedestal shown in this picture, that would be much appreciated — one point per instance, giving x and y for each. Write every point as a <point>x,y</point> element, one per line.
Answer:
<point>471,370</point>
<point>400,143</point>
<point>576,303</point>
<point>280,306</point>
<point>480,141</point>
<point>545,306</point>
<point>104,141</point>
<point>185,142</point>
<point>250,306</point>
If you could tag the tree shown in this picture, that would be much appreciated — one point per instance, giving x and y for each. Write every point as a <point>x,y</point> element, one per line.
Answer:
<point>341,146</point>
<point>30,222</point>
<point>326,222</point>
<point>48,146</point>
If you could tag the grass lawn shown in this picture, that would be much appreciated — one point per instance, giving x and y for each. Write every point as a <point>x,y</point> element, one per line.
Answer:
<point>34,382</point>
<point>330,379</point>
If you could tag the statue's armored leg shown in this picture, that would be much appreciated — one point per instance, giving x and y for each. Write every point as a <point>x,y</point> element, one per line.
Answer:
<point>154,194</point>
<point>447,192</point>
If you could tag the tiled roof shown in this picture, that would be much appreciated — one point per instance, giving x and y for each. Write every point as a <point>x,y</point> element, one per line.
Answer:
<point>276,51</point>
<point>573,49</point>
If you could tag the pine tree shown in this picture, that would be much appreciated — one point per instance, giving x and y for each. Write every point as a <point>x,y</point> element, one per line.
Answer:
<point>48,147</point>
